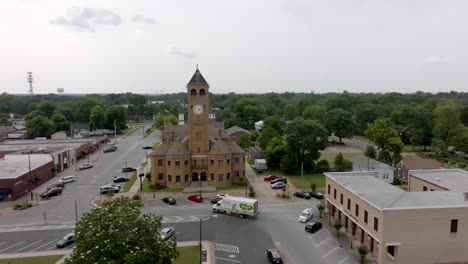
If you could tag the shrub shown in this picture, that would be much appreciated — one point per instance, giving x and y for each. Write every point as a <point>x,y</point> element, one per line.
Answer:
<point>396,181</point>
<point>148,176</point>
<point>251,192</point>
<point>363,251</point>
<point>313,187</point>
<point>136,197</point>
<point>323,166</point>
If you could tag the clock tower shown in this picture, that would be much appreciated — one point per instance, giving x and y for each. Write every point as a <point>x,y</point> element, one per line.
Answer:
<point>198,108</point>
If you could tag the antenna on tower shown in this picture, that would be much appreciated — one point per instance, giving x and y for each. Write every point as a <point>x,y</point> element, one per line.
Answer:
<point>30,81</point>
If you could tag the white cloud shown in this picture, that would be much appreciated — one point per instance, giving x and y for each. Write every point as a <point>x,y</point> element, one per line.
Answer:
<point>173,50</point>
<point>87,18</point>
<point>144,20</point>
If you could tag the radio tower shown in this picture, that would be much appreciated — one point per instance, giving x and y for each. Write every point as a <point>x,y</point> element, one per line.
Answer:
<point>30,81</point>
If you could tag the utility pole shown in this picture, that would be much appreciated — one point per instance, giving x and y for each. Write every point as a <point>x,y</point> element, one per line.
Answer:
<point>115,131</point>
<point>143,130</point>
<point>76,213</point>
<point>29,166</point>
<point>30,81</point>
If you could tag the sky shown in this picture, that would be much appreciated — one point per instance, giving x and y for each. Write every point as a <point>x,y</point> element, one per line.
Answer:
<point>242,46</point>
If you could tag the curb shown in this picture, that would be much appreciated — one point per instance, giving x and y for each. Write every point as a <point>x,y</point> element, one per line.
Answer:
<point>35,254</point>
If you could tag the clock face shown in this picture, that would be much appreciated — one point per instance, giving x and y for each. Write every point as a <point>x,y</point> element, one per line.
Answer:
<point>197,109</point>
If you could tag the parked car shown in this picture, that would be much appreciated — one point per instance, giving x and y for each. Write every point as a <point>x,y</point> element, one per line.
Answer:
<point>221,195</point>
<point>279,180</point>
<point>306,215</point>
<point>117,179</point>
<point>271,177</point>
<point>128,169</point>
<point>110,149</point>
<point>58,185</point>
<point>51,192</point>
<point>274,256</point>
<point>169,200</point>
<point>167,232</point>
<point>86,166</point>
<point>303,195</point>
<point>108,189</point>
<point>278,185</point>
<point>67,240</point>
<point>68,179</point>
<point>313,227</point>
<point>115,185</point>
<point>147,147</point>
<point>317,195</point>
<point>195,198</point>
<point>216,200</point>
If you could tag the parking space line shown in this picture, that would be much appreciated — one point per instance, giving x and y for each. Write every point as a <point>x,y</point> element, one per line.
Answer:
<point>318,245</point>
<point>12,246</point>
<point>28,228</point>
<point>44,245</point>
<point>2,243</point>
<point>27,246</point>
<point>229,259</point>
<point>343,260</point>
<point>326,255</point>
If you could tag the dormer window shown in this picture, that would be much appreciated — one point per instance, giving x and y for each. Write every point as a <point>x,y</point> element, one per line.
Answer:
<point>202,92</point>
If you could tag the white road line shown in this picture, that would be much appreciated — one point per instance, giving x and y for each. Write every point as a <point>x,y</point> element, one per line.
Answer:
<point>229,259</point>
<point>12,246</point>
<point>44,244</point>
<point>2,243</point>
<point>326,255</point>
<point>343,260</point>
<point>27,246</point>
<point>318,245</point>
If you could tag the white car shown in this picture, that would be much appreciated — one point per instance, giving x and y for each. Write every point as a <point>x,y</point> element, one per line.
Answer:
<point>86,166</point>
<point>167,232</point>
<point>306,215</point>
<point>68,179</point>
<point>221,195</point>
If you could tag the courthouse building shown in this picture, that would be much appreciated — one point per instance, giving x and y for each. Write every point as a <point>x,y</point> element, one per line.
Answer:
<point>196,150</point>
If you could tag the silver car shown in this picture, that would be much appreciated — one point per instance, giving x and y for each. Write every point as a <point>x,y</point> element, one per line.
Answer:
<point>86,166</point>
<point>167,232</point>
<point>278,185</point>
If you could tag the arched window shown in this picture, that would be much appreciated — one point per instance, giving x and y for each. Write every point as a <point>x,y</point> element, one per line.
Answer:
<point>202,91</point>
<point>193,92</point>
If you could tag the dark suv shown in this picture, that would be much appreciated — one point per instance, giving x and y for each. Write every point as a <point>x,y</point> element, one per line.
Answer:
<point>313,227</point>
<point>303,195</point>
<point>52,192</point>
<point>110,149</point>
<point>274,256</point>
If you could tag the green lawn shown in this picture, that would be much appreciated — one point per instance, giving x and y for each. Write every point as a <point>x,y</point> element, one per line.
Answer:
<point>156,145</point>
<point>330,157</point>
<point>36,260</point>
<point>363,138</point>
<point>148,132</point>
<point>317,178</point>
<point>231,187</point>
<point>146,188</point>
<point>189,254</point>
<point>130,183</point>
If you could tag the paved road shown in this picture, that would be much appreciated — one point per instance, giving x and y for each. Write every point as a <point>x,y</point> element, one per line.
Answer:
<point>61,209</point>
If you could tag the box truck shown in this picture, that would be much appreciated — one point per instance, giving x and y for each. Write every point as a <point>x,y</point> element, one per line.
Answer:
<point>236,205</point>
<point>260,165</point>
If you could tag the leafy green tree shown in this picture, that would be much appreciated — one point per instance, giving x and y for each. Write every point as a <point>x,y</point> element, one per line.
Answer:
<point>447,124</point>
<point>97,118</point>
<point>39,126</point>
<point>387,140</point>
<point>363,251</point>
<point>338,162</point>
<point>289,163</point>
<point>117,114</point>
<point>365,114</point>
<point>290,112</point>
<point>370,152</point>
<point>47,108</point>
<point>320,208</point>
<point>84,108</point>
<point>275,151</point>
<point>276,123</point>
<point>244,141</point>
<point>118,233</point>
<point>170,119</point>
<point>60,122</point>
<point>415,123</point>
<point>314,112</point>
<point>323,166</point>
<point>305,139</point>
<point>337,225</point>
<point>313,187</point>
<point>339,122</point>
<point>267,134</point>
<point>464,115</point>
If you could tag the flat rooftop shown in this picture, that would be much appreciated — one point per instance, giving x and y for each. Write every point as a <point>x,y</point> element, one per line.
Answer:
<point>383,195</point>
<point>13,166</point>
<point>450,179</point>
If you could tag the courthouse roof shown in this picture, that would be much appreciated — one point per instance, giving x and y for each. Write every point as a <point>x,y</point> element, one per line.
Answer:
<point>220,147</point>
<point>197,78</point>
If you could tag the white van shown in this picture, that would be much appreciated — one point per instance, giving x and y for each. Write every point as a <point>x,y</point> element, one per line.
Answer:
<point>306,215</point>
<point>68,179</point>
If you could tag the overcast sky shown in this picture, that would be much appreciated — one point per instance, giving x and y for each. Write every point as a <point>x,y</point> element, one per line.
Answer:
<point>242,46</point>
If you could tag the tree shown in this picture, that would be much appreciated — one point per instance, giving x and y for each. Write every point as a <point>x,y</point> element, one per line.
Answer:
<point>363,251</point>
<point>47,108</point>
<point>117,114</point>
<point>337,225</point>
<point>313,187</point>
<point>290,112</point>
<point>268,133</point>
<point>275,151</point>
<point>447,124</point>
<point>320,208</point>
<point>33,114</point>
<point>314,112</point>
<point>244,141</point>
<point>60,122</point>
<point>339,122</point>
<point>338,162</point>
<point>387,140</point>
<point>323,166</point>
<point>305,139</point>
<point>370,152</point>
<point>39,126</point>
<point>97,117</point>
<point>118,233</point>
<point>170,119</point>
<point>276,123</point>
<point>364,114</point>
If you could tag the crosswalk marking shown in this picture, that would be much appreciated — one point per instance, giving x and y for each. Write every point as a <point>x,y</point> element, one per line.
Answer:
<point>226,248</point>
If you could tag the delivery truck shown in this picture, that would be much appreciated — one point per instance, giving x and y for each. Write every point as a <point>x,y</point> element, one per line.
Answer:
<point>260,165</point>
<point>241,206</point>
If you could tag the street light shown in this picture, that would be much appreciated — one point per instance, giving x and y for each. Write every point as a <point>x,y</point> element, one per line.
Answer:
<point>202,218</point>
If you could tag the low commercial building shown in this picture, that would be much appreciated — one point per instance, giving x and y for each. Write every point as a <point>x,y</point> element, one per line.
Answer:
<point>20,174</point>
<point>399,226</point>
<point>413,162</point>
<point>362,163</point>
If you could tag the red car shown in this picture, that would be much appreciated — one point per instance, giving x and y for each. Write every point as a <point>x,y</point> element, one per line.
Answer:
<point>271,178</point>
<point>195,198</point>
